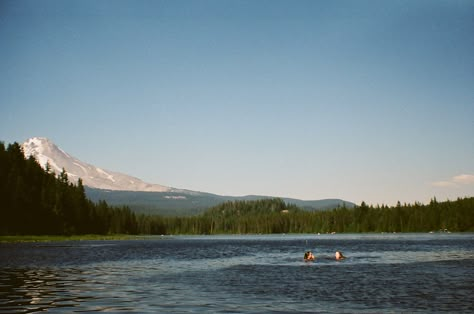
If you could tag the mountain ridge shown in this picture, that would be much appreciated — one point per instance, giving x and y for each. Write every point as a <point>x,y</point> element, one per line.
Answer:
<point>46,152</point>
<point>179,203</point>
<point>120,189</point>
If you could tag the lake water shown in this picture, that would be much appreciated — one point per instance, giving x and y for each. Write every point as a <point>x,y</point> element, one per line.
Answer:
<point>242,274</point>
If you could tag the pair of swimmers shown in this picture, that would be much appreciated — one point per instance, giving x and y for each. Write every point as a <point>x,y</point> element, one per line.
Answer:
<point>309,256</point>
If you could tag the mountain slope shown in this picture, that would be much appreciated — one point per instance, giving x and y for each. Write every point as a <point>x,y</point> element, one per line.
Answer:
<point>46,151</point>
<point>183,203</point>
<point>120,189</point>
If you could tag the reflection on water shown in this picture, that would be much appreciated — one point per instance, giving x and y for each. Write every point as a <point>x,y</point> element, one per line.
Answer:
<point>383,273</point>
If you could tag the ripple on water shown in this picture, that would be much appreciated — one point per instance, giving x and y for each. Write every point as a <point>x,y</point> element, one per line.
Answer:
<point>240,275</point>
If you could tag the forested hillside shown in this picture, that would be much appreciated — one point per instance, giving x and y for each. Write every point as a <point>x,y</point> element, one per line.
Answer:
<point>275,216</point>
<point>190,203</point>
<point>35,201</point>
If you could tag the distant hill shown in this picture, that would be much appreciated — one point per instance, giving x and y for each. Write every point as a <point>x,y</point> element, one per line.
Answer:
<point>120,189</point>
<point>184,203</point>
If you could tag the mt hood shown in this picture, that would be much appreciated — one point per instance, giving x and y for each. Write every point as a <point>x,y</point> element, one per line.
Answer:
<point>120,189</point>
<point>46,152</point>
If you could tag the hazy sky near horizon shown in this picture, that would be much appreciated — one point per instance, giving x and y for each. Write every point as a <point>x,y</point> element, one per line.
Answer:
<point>358,100</point>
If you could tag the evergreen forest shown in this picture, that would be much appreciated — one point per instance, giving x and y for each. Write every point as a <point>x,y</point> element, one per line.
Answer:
<point>36,201</point>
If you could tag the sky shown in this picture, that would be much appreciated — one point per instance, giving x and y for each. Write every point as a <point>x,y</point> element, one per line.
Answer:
<point>359,100</point>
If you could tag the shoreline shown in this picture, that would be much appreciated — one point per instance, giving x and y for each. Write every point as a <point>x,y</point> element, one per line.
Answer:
<point>60,238</point>
<point>115,237</point>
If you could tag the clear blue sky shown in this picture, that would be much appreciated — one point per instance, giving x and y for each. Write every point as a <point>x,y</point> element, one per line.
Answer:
<point>359,100</point>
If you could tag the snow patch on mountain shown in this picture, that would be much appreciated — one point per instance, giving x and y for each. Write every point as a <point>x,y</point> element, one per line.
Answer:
<point>46,152</point>
<point>107,175</point>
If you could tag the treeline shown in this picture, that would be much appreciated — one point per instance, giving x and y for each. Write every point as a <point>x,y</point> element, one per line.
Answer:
<point>274,216</point>
<point>36,201</point>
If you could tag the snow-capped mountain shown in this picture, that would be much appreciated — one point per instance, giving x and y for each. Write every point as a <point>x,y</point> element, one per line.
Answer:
<point>46,151</point>
<point>120,189</point>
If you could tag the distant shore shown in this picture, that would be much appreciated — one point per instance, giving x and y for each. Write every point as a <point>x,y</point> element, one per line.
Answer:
<point>98,237</point>
<point>57,238</point>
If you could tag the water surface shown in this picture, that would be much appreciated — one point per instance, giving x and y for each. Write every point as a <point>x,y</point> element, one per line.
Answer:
<point>242,274</point>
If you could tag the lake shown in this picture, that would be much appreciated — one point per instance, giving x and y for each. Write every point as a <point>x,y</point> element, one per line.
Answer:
<point>242,274</point>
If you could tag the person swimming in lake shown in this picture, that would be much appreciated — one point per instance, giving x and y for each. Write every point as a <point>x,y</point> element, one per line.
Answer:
<point>308,256</point>
<point>339,255</point>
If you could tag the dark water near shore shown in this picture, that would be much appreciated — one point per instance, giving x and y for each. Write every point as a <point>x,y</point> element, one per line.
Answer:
<point>242,274</point>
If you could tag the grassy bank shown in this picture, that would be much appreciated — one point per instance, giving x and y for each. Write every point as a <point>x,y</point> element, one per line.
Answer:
<point>55,238</point>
